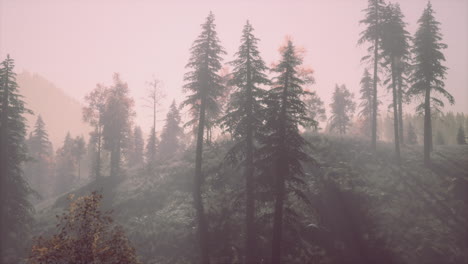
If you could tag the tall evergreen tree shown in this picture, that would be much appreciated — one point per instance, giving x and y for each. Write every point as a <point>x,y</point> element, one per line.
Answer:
<point>412,137</point>
<point>117,120</point>
<point>155,95</point>
<point>429,73</point>
<point>243,119</point>
<point>204,84</point>
<point>66,166</point>
<point>282,144</point>
<point>373,35</point>
<point>78,151</point>
<point>93,114</point>
<point>172,133</point>
<point>342,109</point>
<point>395,46</point>
<point>366,102</point>
<point>15,208</point>
<point>136,151</point>
<point>461,138</point>
<point>39,169</point>
<point>315,110</point>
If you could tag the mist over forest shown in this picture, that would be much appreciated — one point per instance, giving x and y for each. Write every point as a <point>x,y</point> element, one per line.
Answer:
<point>234,143</point>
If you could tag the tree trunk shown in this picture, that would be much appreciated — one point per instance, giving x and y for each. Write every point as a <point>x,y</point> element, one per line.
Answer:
<point>202,230</point>
<point>400,108</point>
<point>427,127</point>
<point>374,99</point>
<point>395,113</point>
<point>281,173</point>
<point>250,245</point>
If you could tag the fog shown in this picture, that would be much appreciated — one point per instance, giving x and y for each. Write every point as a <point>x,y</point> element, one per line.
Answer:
<point>234,131</point>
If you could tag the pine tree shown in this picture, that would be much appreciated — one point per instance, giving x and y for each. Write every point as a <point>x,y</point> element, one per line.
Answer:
<point>244,119</point>
<point>282,144</point>
<point>78,151</point>
<point>171,134</point>
<point>66,166</point>
<point>155,95</point>
<point>366,102</point>
<point>135,152</point>
<point>15,208</point>
<point>395,46</point>
<point>204,84</point>
<point>93,114</point>
<point>39,170</point>
<point>429,73</point>
<point>342,109</point>
<point>316,110</point>
<point>461,139</point>
<point>117,120</point>
<point>412,137</point>
<point>373,35</point>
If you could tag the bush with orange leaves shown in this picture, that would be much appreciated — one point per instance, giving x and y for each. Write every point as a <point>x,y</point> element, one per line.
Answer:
<point>85,236</point>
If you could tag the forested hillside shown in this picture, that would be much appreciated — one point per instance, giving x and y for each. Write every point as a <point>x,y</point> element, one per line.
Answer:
<point>252,165</point>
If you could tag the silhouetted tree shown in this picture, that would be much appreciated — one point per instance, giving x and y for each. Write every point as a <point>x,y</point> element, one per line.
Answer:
<point>315,110</point>
<point>461,139</point>
<point>93,114</point>
<point>171,134</point>
<point>395,46</point>
<point>39,169</point>
<point>342,109</point>
<point>204,84</point>
<point>429,73</point>
<point>155,95</point>
<point>244,118</point>
<point>15,207</point>
<point>366,102</point>
<point>412,137</point>
<point>66,165</point>
<point>117,120</point>
<point>79,150</point>
<point>135,151</point>
<point>282,144</point>
<point>373,35</point>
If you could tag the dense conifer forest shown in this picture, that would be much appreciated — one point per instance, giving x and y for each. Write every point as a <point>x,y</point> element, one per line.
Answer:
<point>251,165</point>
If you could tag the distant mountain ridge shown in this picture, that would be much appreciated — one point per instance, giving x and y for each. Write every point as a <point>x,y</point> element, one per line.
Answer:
<point>60,112</point>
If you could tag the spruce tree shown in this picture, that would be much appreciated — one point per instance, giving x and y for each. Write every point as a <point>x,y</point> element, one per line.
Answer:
<point>395,46</point>
<point>366,102</point>
<point>40,151</point>
<point>461,139</point>
<point>136,151</point>
<point>15,208</point>
<point>412,137</point>
<point>117,120</point>
<point>204,85</point>
<point>66,166</point>
<point>342,109</point>
<point>243,119</point>
<point>282,144</point>
<point>429,73</point>
<point>171,134</point>
<point>79,150</point>
<point>93,114</point>
<point>373,35</point>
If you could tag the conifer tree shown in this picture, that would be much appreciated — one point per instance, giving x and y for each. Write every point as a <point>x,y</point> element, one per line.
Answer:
<point>66,166</point>
<point>171,134</point>
<point>373,35</point>
<point>152,144</point>
<point>117,120</point>
<point>395,46</point>
<point>315,110</point>
<point>78,151</point>
<point>136,151</point>
<point>204,85</point>
<point>282,144</point>
<point>243,119</point>
<point>461,139</point>
<point>429,73</point>
<point>366,102</point>
<point>412,137</point>
<point>93,114</point>
<point>155,95</point>
<point>342,109</point>
<point>15,208</point>
<point>40,150</point>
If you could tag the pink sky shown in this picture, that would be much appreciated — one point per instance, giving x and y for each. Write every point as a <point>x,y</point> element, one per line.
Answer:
<point>76,44</point>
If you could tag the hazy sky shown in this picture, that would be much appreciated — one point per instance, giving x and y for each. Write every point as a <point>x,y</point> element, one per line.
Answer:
<point>76,44</point>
